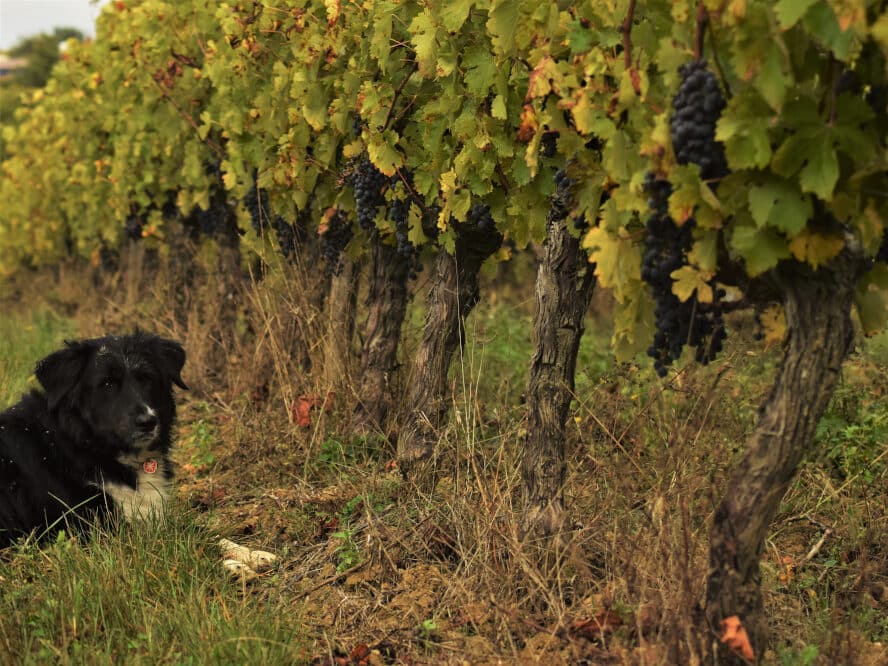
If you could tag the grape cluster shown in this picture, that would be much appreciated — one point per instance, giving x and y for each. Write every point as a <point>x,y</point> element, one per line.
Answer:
<point>211,221</point>
<point>398,211</point>
<point>693,323</point>
<point>367,182</point>
<point>287,236</point>
<point>357,125</point>
<point>561,201</point>
<point>333,241</point>
<point>697,106</point>
<point>479,217</point>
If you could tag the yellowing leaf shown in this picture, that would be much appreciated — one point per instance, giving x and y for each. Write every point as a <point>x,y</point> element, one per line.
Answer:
<point>334,8</point>
<point>814,248</point>
<point>633,322</point>
<point>687,280</point>
<point>773,322</point>
<point>617,260</point>
<point>383,154</point>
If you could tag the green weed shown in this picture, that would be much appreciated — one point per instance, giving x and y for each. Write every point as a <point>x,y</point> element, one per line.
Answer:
<point>148,593</point>
<point>24,340</point>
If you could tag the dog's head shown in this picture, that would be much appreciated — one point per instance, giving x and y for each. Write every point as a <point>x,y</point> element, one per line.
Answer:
<point>120,387</point>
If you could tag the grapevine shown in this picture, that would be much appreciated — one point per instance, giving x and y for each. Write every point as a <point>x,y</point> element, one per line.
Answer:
<point>367,182</point>
<point>333,241</point>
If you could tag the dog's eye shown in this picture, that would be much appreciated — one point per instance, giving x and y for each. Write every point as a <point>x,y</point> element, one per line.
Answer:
<point>109,385</point>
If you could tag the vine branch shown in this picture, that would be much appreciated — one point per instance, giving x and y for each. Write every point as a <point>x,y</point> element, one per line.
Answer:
<point>702,20</point>
<point>626,31</point>
<point>413,67</point>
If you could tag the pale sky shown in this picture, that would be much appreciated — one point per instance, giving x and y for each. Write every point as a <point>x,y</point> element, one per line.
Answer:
<point>23,18</point>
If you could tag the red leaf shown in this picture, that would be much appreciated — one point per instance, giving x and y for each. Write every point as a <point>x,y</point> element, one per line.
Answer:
<point>734,634</point>
<point>529,124</point>
<point>360,652</point>
<point>301,411</point>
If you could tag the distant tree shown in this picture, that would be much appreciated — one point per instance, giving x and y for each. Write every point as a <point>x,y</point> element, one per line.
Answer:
<point>42,52</point>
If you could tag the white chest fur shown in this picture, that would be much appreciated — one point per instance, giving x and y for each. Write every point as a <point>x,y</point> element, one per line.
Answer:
<point>150,495</point>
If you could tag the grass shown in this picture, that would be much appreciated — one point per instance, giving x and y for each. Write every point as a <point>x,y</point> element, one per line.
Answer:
<point>450,578</point>
<point>149,593</point>
<point>24,339</point>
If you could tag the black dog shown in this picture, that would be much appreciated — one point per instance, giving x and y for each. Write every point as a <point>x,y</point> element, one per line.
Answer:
<point>96,441</point>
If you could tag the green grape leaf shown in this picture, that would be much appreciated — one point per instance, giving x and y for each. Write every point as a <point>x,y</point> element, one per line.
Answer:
<point>760,249</point>
<point>480,69</point>
<point>821,21</point>
<point>502,23</point>
<point>380,42</point>
<point>454,13</point>
<point>821,172</point>
<point>424,35</point>
<point>790,11</point>
<point>580,39</point>
<point>770,80</point>
<point>779,204</point>
<point>498,108</point>
<point>743,129</point>
<point>633,322</point>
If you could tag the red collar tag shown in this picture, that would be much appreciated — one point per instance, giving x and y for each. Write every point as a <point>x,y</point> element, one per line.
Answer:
<point>150,466</point>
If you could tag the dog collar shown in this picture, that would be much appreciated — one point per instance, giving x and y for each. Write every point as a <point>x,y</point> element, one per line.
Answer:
<point>150,466</point>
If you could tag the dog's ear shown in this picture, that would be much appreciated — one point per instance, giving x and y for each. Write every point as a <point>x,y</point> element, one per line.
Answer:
<point>59,372</point>
<point>172,358</point>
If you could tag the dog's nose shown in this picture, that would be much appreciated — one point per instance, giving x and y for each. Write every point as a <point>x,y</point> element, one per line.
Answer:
<point>146,421</point>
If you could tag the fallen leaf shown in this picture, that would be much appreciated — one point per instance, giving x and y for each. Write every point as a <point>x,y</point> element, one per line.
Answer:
<point>302,411</point>
<point>359,653</point>
<point>735,636</point>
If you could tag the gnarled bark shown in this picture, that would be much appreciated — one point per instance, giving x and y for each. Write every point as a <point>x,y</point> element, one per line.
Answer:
<point>453,295</point>
<point>819,337</point>
<point>387,304</point>
<point>564,287</point>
